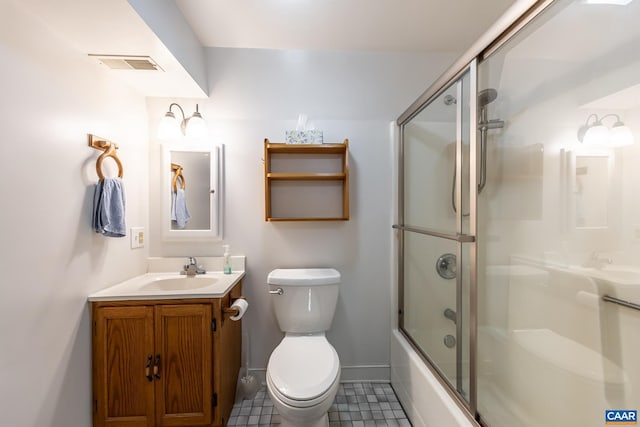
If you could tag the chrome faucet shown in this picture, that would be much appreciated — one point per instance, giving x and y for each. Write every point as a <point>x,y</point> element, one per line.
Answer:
<point>597,261</point>
<point>191,268</point>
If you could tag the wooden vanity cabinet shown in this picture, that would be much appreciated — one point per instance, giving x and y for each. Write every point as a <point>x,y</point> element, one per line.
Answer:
<point>165,362</point>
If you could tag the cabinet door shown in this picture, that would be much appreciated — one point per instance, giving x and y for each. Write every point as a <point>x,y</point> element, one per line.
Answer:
<point>184,387</point>
<point>122,345</point>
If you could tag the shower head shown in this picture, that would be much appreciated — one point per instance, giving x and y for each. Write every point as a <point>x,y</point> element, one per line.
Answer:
<point>487,96</point>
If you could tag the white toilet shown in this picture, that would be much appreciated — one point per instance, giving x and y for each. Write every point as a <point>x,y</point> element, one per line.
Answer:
<point>303,373</point>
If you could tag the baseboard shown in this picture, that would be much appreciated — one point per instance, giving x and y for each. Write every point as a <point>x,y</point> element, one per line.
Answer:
<point>365,373</point>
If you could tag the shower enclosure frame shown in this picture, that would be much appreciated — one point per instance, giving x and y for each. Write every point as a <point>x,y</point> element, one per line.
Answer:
<point>459,237</point>
<point>518,16</point>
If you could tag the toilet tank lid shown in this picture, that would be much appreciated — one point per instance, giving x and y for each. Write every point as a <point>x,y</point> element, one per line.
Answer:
<point>303,276</point>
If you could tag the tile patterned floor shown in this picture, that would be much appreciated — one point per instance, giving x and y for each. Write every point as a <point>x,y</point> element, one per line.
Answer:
<point>356,405</point>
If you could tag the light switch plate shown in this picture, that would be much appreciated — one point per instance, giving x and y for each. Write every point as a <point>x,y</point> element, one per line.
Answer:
<point>137,237</point>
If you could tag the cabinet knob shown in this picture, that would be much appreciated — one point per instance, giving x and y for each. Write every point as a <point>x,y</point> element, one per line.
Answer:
<point>147,368</point>
<point>156,366</point>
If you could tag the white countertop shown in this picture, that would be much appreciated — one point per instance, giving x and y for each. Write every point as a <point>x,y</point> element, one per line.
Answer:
<point>171,285</point>
<point>134,289</point>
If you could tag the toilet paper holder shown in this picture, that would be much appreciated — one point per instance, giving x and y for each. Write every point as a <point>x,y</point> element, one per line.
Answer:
<point>233,310</point>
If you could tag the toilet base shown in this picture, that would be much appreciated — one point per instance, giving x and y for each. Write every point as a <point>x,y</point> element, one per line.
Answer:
<point>321,422</point>
<point>312,416</point>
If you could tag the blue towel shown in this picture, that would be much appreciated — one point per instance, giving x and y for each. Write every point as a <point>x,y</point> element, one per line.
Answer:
<point>108,208</point>
<point>179,212</point>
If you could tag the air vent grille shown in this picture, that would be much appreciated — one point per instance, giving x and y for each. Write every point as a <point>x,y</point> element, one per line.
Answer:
<point>127,62</point>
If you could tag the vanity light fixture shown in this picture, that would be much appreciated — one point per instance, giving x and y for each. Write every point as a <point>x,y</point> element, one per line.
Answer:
<point>171,128</point>
<point>597,134</point>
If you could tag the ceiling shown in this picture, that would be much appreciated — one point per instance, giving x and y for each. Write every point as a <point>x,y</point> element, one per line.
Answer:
<point>112,27</point>
<point>155,29</point>
<point>371,25</point>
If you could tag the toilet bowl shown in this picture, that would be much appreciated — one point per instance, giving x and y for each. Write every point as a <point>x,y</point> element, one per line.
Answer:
<point>303,376</point>
<point>303,372</point>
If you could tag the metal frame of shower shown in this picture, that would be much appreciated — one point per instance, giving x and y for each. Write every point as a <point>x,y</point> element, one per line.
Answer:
<point>459,237</point>
<point>514,19</point>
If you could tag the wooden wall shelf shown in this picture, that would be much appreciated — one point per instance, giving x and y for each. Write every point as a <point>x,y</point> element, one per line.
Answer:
<point>306,182</point>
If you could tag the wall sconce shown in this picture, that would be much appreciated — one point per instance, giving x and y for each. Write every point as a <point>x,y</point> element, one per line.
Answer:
<point>597,134</point>
<point>171,128</point>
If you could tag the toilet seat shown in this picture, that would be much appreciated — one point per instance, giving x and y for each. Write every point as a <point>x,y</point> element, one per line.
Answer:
<point>303,369</point>
<point>302,404</point>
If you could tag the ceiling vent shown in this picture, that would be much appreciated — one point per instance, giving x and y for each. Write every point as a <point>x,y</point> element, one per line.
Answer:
<point>127,62</point>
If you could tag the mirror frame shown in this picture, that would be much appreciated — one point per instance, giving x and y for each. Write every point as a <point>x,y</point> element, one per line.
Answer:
<point>569,161</point>
<point>216,199</point>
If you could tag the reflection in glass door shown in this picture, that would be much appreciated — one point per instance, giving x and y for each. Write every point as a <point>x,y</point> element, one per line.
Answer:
<point>541,325</point>
<point>434,224</point>
<point>559,264</point>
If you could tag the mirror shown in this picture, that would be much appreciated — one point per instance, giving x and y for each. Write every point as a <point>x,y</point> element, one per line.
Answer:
<point>591,191</point>
<point>192,192</point>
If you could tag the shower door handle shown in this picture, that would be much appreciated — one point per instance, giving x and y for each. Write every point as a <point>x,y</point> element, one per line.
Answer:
<point>458,237</point>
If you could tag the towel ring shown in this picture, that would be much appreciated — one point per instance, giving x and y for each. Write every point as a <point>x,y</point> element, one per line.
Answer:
<point>175,182</point>
<point>109,150</point>
<point>177,170</point>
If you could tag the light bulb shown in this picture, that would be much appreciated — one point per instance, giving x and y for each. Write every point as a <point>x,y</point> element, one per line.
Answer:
<point>196,126</point>
<point>620,135</point>
<point>168,128</point>
<point>596,135</point>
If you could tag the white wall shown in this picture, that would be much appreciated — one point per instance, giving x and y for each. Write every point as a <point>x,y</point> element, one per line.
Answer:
<point>50,258</point>
<point>257,94</point>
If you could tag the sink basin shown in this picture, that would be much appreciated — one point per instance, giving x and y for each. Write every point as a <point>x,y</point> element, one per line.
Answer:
<point>178,283</point>
<point>619,281</point>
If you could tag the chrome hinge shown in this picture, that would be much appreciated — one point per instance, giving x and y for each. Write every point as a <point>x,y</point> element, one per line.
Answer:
<point>213,325</point>
<point>214,400</point>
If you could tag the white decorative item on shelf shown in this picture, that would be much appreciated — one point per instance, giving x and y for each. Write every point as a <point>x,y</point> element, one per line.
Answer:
<point>305,132</point>
<point>304,137</point>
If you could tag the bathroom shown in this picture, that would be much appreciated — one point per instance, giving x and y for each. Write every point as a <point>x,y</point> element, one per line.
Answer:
<point>46,362</point>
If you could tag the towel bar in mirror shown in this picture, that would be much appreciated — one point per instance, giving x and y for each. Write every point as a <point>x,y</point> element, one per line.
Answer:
<point>203,167</point>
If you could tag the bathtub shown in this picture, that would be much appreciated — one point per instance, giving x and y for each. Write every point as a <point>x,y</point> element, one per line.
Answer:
<point>423,398</point>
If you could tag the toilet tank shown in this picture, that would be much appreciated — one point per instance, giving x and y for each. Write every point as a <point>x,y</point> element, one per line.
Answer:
<point>308,299</point>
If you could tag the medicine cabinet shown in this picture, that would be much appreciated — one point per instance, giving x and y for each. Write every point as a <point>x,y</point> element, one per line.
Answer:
<point>201,172</point>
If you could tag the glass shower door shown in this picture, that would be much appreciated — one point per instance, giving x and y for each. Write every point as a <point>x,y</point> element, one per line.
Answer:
<point>559,259</point>
<point>434,227</point>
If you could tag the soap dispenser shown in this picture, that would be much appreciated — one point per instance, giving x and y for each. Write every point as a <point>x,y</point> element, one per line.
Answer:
<point>226,263</point>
